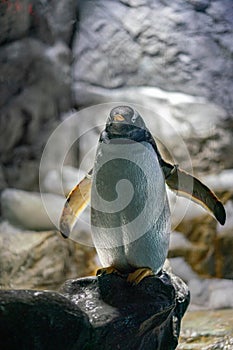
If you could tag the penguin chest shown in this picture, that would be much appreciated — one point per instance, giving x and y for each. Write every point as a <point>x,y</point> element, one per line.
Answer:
<point>129,210</point>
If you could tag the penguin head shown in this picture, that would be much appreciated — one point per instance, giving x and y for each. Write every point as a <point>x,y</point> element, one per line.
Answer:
<point>124,121</point>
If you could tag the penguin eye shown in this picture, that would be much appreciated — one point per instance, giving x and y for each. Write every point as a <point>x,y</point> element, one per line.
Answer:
<point>134,118</point>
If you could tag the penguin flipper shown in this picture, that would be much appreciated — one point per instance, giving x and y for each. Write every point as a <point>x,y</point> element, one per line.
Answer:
<point>189,186</point>
<point>76,202</point>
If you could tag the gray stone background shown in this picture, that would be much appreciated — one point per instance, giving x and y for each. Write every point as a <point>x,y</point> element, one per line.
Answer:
<point>59,55</point>
<point>56,57</point>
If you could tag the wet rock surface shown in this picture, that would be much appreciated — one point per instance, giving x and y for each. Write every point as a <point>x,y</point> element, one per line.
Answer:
<point>41,320</point>
<point>207,330</point>
<point>96,313</point>
<point>145,316</point>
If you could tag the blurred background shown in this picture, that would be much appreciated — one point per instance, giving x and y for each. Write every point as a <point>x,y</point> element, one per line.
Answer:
<point>57,57</point>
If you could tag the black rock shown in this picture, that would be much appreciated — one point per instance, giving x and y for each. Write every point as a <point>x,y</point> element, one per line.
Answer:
<point>95,313</point>
<point>146,316</point>
<point>123,316</point>
<point>41,320</point>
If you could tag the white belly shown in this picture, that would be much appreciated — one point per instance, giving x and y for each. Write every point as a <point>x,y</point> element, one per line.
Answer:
<point>130,214</point>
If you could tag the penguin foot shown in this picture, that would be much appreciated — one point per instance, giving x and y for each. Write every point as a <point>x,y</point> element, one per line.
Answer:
<point>107,271</point>
<point>138,275</point>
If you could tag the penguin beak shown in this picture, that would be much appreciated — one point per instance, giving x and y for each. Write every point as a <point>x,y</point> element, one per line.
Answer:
<point>118,125</point>
<point>118,118</point>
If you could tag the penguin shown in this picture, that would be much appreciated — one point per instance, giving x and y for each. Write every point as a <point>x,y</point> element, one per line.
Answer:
<point>130,215</point>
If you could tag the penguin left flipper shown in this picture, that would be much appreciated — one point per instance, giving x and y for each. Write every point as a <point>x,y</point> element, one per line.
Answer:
<point>76,202</point>
<point>189,186</point>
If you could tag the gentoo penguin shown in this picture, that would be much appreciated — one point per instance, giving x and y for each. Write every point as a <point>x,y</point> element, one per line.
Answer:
<point>130,215</point>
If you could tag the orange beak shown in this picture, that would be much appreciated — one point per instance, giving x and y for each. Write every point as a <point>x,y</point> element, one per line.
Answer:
<point>118,118</point>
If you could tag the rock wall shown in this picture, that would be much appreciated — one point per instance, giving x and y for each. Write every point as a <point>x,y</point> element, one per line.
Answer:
<point>181,46</point>
<point>35,83</point>
<point>178,46</point>
<point>59,54</point>
<point>43,260</point>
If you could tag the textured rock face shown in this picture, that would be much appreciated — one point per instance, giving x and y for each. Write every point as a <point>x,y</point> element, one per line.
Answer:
<point>46,20</point>
<point>209,244</point>
<point>35,87</point>
<point>15,19</point>
<point>122,47</point>
<point>54,20</point>
<point>179,51</point>
<point>202,248</point>
<point>35,83</point>
<point>177,46</point>
<point>41,259</point>
<point>96,313</point>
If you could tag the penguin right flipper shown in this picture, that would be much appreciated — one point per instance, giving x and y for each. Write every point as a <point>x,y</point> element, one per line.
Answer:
<point>189,186</point>
<point>76,202</point>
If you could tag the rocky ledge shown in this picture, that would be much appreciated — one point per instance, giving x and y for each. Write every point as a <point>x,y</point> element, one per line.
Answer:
<point>95,313</point>
<point>207,330</point>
